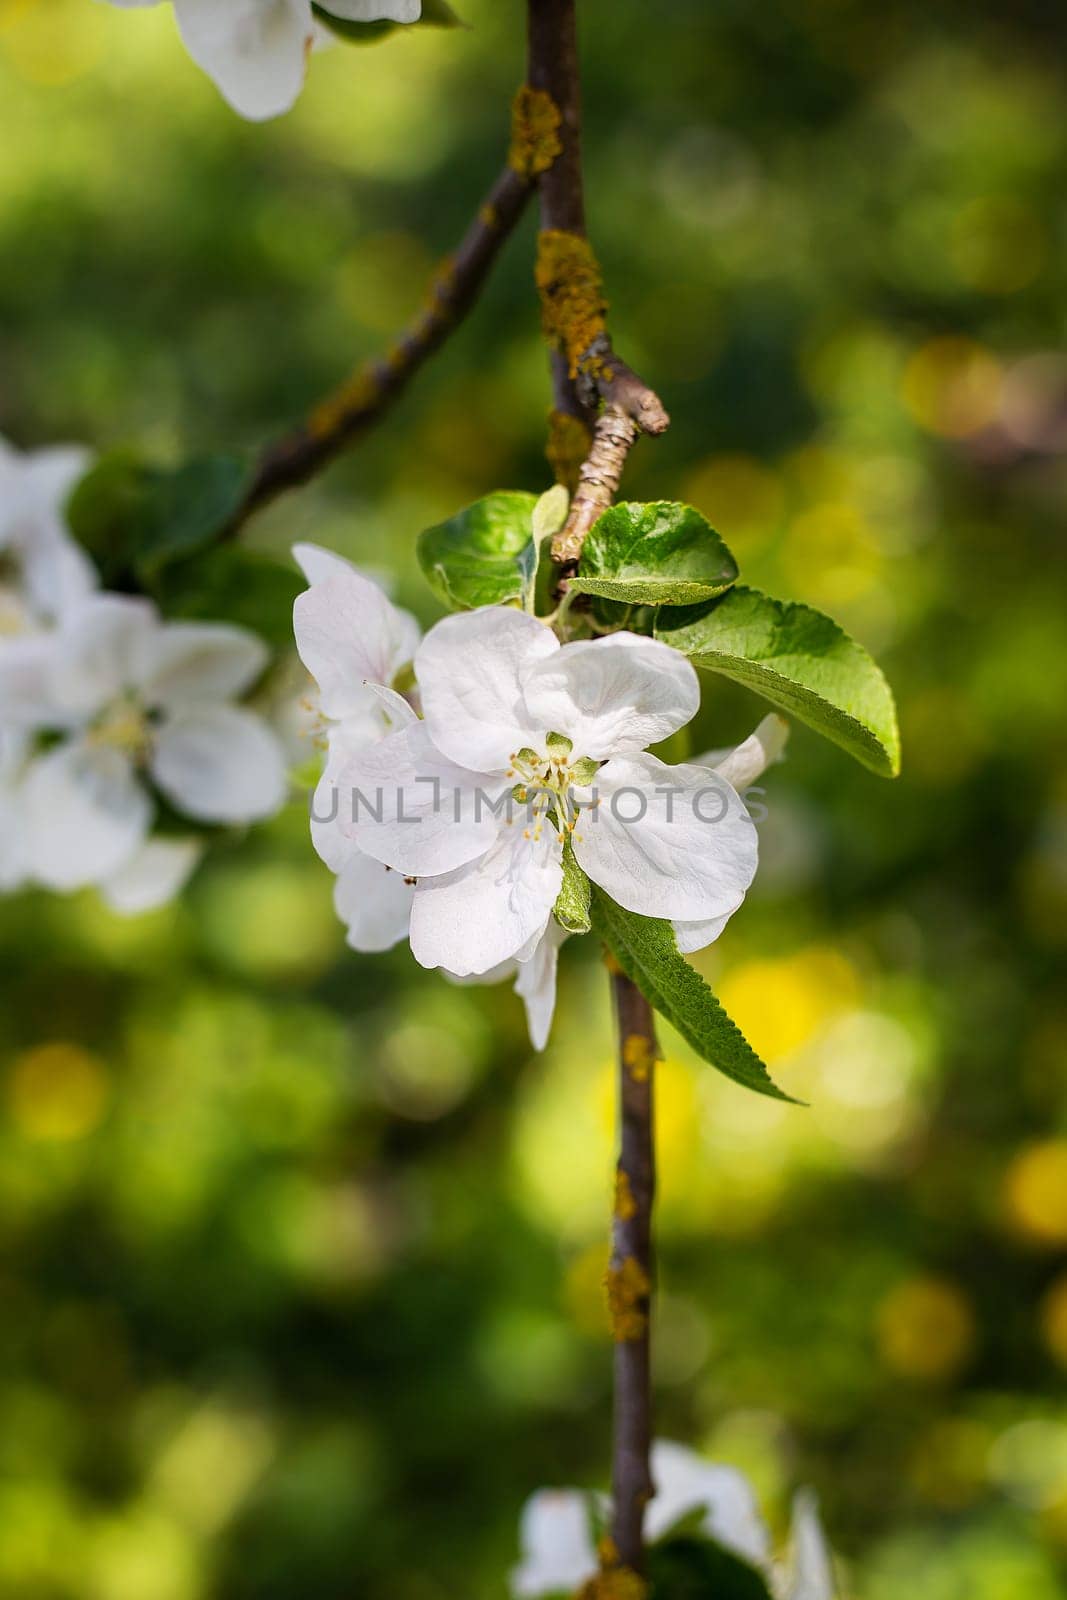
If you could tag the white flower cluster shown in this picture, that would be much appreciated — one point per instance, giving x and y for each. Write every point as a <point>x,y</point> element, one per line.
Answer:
<point>453,828</point>
<point>255,51</point>
<point>558,1553</point>
<point>108,713</point>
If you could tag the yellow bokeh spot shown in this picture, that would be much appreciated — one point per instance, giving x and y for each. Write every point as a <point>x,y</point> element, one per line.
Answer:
<point>1035,1192</point>
<point>831,554</point>
<point>998,244</point>
<point>51,42</point>
<point>951,386</point>
<point>780,1005</point>
<point>57,1092</point>
<point>740,497</point>
<point>925,1329</point>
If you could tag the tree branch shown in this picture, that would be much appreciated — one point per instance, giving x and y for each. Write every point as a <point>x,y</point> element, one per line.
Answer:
<point>630,1273</point>
<point>364,398</point>
<point>586,372</point>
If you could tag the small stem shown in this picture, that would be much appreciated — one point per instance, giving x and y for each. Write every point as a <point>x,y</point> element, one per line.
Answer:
<point>631,1270</point>
<point>364,398</point>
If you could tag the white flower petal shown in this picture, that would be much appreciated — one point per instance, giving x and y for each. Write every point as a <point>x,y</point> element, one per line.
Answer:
<point>344,740</point>
<point>374,10</point>
<point>471,668</point>
<point>57,575</point>
<point>187,663</point>
<point>219,764</point>
<point>405,804</point>
<point>99,651</point>
<point>86,814</point>
<point>673,842</point>
<point>557,1548</point>
<point>536,983</point>
<point>155,874</point>
<point>27,683</point>
<point>692,936</point>
<point>813,1567</point>
<point>474,918</point>
<point>374,903</point>
<point>349,633</point>
<point>254,51</point>
<point>750,759</point>
<point>613,695</point>
<point>317,563</point>
<point>685,1482</point>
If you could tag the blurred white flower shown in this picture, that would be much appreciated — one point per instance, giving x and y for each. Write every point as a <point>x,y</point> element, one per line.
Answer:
<point>43,571</point>
<point>12,811</point>
<point>558,1552</point>
<point>126,701</point>
<point>255,51</point>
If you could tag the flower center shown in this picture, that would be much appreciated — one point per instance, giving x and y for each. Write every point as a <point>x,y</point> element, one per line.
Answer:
<point>125,726</point>
<point>545,781</point>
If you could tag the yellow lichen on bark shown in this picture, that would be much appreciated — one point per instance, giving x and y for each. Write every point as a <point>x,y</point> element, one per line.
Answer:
<point>359,393</point>
<point>568,445</point>
<point>625,1204</point>
<point>638,1056</point>
<point>571,287</point>
<point>627,1286</point>
<point>535,125</point>
<point>613,1581</point>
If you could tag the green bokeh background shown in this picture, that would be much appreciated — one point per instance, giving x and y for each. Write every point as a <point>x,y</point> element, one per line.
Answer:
<point>300,1252</point>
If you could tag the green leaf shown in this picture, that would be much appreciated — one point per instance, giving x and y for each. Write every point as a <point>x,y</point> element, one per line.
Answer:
<point>233,584</point>
<point>798,659</point>
<point>481,556</point>
<point>133,516</point>
<point>646,951</point>
<point>697,1569</point>
<point>658,554</point>
<point>435,14</point>
<point>574,898</point>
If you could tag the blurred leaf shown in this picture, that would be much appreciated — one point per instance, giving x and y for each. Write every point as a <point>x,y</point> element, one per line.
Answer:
<point>798,659</point>
<point>481,556</point>
<point>550,512</point>
<point>658,554</point>
<point>435,14</point>
<point>232,584</point>
<point>646,951</point>
<point>134,517</point>
<point>573,901</point>
<point>696,1569</point>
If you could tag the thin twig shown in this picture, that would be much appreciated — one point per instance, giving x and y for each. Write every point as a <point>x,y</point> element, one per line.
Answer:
<point>586,372</point>
<point>631,1272</point>
<point>364,398</point>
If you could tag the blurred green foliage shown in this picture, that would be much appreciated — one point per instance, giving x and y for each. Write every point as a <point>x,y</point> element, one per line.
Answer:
<point>300,1253</point>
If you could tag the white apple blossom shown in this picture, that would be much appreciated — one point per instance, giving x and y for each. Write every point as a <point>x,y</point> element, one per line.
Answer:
<point>129,704</point>
<point>489,916</point>
<point>559,1555</point>
<point>355,643</point>
<point>255,51</point>
<point>511,713</point>
<point>43,572</point>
